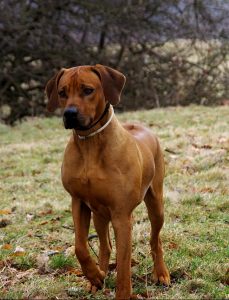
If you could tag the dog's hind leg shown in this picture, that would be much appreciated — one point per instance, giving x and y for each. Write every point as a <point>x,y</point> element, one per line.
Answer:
<point>154,204</point>
<point>102,228</point>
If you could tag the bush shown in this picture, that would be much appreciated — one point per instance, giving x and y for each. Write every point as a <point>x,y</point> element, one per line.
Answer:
<point>172,52</point>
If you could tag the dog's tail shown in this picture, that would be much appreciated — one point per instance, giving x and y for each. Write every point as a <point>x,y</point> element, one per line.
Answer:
<point>159,171</point>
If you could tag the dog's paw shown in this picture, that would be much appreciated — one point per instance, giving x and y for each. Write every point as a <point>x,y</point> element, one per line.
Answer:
<point>161,275</point>
<point>96,279</point>
<point>91,288</point>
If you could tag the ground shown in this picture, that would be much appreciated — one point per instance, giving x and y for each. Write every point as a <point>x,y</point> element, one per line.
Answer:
<point>36,237</point>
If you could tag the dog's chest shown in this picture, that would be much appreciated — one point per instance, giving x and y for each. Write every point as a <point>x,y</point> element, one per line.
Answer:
<point>85,179</point>
<point>90,186</point>
<point>100,177</point>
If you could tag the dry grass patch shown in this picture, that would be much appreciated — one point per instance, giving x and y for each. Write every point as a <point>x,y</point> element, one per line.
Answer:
<point>35,215</point>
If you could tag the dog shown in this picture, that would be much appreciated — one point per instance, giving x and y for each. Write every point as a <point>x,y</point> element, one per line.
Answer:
<point>108,169</point>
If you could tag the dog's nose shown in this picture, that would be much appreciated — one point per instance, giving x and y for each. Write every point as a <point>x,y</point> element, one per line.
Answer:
<point>70,112</point>
<point>70,117</point>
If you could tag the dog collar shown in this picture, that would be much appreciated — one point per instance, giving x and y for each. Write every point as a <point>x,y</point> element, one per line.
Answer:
<point>83,137</point>
<point>85,128</point>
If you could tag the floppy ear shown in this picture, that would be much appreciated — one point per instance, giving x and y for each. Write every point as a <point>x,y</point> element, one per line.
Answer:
<point>112,82</point>
<point>51,91</point>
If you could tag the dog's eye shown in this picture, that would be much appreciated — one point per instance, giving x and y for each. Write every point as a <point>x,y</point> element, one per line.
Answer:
<point>88,91</point>
<point>62,94</point>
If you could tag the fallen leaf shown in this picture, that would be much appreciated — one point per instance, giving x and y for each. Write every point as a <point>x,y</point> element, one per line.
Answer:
<point>30,234</point>
<point>5,212</point>
<point>2,264</point>
<point>7,247</point>
<point>44,223</point>
<point>195,145</point>
<point>18,254</point>
<point>46,212</point>
<point>173,245</point>
<point>206,146</point>
<point>207,190</point>
<point>77,272</point>
<point>4,223</point>
<point>171,151</point>
<point>53,220</point>
<point>58,248</point>
<point>151,124</point>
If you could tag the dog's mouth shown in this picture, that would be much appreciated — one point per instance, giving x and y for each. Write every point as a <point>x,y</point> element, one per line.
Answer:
<point>77,122</point>
<point>73,119</point>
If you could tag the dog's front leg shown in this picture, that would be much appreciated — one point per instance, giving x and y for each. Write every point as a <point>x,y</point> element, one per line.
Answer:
<point>122,228</point>
<point>102,228</point>
<point>81,217</point>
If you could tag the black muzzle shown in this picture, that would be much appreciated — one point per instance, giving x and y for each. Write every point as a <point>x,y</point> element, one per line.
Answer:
<point>70,117</point>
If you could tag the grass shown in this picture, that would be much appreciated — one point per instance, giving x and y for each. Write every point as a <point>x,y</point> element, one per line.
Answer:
<point>35,210</point>
<point>61,261</point>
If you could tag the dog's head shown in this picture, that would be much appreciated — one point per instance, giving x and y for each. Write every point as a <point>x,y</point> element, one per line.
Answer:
<point>83,92</point>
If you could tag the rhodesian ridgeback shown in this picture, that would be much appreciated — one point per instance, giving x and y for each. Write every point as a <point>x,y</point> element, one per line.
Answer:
<point>108,169</point>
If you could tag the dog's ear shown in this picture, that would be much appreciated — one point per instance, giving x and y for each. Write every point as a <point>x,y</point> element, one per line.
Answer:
<point>51,91</point>
<point>112,82</point>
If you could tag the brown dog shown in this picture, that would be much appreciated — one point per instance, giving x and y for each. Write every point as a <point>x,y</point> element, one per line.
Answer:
<point>108,169</point>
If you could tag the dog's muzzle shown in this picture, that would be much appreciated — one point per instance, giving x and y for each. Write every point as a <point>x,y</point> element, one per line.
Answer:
<point>71,118</point>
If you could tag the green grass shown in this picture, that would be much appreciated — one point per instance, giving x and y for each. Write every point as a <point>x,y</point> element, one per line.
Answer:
<point>37,210</point>
<point>61,261</point>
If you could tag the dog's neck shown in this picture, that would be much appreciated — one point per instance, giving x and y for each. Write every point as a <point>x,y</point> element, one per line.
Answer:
<point>96,150</point>
<point>102,126</point>
<point>103,137</point>
<point>99,126</point>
